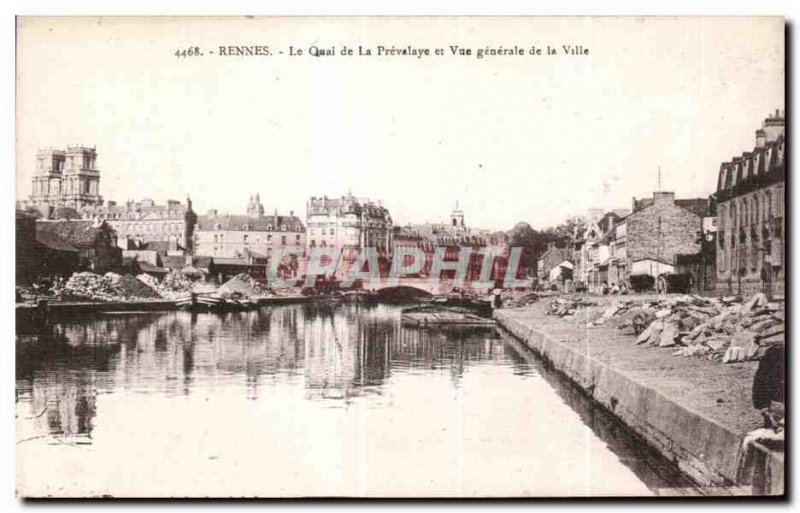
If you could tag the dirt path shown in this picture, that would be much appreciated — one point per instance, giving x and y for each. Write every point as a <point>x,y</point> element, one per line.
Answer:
<point>721,392</point>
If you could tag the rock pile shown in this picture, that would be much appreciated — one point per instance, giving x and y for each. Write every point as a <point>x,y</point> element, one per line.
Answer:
<point>728,327</point>
<point>87,286</point>
<point>241,285</point>
<point>740,331</point>
<point>127,286</point>
<point>175,285</point>
<point>522,301</point>
<point>563,307</point>
<point>148,280</point>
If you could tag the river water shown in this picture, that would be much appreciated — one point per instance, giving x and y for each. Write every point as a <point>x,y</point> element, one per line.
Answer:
<point>307,400</point>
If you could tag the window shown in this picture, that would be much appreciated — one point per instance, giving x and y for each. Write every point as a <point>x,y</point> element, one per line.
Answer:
<point>283,240</point>
<point>768,208</point>
<point>244,239</point>
<point>744,212</point>
<point>269,238</point>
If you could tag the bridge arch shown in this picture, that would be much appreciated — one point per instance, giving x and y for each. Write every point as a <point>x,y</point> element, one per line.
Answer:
<point>403,292</point>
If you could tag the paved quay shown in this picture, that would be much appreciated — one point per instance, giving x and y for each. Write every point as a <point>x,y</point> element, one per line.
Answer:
<point>692,410</point>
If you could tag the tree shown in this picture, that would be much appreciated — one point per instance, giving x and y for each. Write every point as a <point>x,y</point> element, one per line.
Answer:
<point>534,243</point>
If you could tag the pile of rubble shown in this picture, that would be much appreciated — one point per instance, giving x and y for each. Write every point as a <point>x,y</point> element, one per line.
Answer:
<point>726,328</point>
<point>563,307</point>
<point>87,286</point>
<point>241,285</point>
<point>128,286</point>
<point>175,285</point>
<point>149,280</point>
<point>522,301</point>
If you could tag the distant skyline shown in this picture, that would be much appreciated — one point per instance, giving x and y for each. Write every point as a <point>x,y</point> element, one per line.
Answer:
<point>511,139</point>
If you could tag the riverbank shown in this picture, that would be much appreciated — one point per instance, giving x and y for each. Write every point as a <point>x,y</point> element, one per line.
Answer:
<point>33,313</point>
<point>693,411</point>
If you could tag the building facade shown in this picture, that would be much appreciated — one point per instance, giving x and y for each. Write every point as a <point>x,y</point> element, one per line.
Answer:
<point>349,225</point>
<point>452,237</point>
<point>138,224</point>
<point>592,251</point>
<point>649,239</point>
<point>94,241</point>
<point>65,179</point>
<point>550,259</point>
<point>251,235</point>
<point>751,202</point>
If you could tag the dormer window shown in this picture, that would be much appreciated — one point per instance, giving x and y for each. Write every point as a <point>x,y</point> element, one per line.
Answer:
<point>217,226</point>
<point>246,227</point>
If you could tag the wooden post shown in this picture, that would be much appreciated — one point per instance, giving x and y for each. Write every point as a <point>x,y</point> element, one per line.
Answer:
<point>44,310</point>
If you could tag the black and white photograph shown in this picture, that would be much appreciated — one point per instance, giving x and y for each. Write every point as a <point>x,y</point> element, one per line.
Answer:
<point>400,257</point>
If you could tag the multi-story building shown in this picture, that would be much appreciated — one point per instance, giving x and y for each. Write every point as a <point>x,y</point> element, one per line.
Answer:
<point>453,236</point>
<point>648,240</point>
<point>750,201</point>
<point>94,241</point>
<point>551,259</point>
<point>145,224</point>
<point>65,179</point>
<point>349,225</point>
<point>591,251</point>
<point>254,235</point>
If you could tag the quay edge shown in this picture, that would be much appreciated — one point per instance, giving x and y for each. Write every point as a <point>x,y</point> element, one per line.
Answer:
<point>708,453</point>
<point>47,310</point>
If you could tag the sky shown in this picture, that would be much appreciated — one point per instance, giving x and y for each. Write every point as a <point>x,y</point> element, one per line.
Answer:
<point>532,138</point>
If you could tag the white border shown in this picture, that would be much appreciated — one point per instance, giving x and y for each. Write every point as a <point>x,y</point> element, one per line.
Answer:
<point>8,10</point>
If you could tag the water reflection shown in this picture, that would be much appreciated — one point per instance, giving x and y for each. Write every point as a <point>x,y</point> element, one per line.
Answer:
<point>290,385</point>
<point>341,352</point>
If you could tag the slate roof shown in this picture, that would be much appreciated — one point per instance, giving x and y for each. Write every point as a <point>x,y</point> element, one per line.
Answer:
<point>147,267</point>
<point>52,241</point>
<point>159,246</point>
<point>232,261</point>
<point>699,206</point>
<point>139,210</point>
<point>174,262</point>
<point>75,233</point>
<point>254,224</point>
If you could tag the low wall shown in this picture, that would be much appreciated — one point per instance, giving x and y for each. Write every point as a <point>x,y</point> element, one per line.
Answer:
<point>704,450</point>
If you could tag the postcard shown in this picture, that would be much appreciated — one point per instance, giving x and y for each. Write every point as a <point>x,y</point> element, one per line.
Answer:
<point>400,257</point>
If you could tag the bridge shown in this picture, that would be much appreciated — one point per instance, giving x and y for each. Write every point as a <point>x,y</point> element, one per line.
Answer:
<point>412,286</point>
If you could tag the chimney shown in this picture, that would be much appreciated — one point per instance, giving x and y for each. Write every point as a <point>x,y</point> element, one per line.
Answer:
<point>761,138</point>
<point>663,198</point>
<point>774,127</point>
<point>291,213</point>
